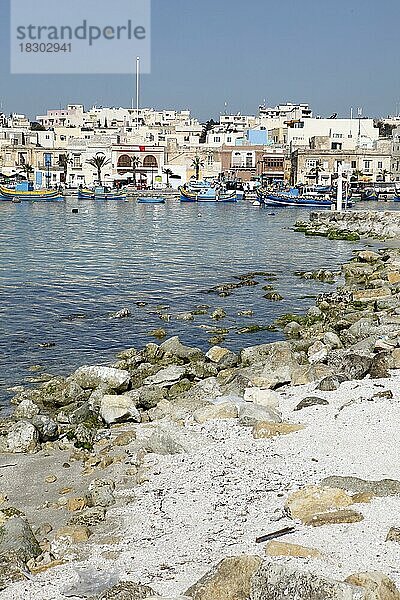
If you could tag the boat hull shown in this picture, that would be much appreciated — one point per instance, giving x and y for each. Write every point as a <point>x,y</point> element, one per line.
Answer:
<point>209,195</point>
<point>11,195</point>
<point>269,199</point>
<point>151,200</point>
<point>92,196</point>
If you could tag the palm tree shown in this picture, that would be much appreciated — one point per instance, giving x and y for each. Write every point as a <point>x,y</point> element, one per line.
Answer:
<point>26,169</point>
<point>98,162</point>
<point>356,175</point>
<point>168,173</point>
<point>383,173</point>
<point>197,164</point>
<point>135,164</point>
<point>317,170</point>
<point>64,160</point>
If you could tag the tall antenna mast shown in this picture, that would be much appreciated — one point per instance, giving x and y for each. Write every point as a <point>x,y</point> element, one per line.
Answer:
<point>137,90</point>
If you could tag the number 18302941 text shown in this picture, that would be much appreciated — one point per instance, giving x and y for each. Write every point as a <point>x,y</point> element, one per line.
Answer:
<point>44,47</point>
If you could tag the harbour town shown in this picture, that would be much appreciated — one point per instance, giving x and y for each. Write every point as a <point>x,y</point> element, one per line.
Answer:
<point>200,302</point>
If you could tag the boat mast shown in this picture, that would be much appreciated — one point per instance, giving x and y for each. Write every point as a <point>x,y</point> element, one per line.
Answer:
<point>137,90</point>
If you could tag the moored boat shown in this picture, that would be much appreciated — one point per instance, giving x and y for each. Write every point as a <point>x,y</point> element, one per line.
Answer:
<point>101,193</point>
<point>207,194</point>
<point>26,192</point>
<point>151,200</point>
<point>293,198</point>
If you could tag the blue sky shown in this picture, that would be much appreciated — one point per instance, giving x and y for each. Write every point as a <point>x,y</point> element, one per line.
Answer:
<point>332,54</point>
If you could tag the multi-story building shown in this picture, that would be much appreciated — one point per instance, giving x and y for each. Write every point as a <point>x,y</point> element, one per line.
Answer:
<point>319,163</point>
<point>72,116</point>
<point>344,134</point>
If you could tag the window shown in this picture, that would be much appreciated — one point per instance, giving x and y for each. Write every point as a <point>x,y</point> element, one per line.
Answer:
<point>380,164</point>
<point>124,161</point>
<point>150,161</point>
<point>354,164</point>
<point>229,139</point>
<point>367,165</point>
<point>336,146</point>
<point>76,160</point>
<point>338,135</point>
<point>217,139</point>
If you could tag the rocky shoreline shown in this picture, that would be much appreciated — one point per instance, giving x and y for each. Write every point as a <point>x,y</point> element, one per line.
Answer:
<point>162,470</point>
<point>352,225</point>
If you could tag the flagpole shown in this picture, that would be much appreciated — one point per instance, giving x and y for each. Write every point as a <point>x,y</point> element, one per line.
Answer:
<point>137,90</point>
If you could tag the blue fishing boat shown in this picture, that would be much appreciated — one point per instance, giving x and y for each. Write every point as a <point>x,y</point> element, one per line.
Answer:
<point>151,200</point>
<point>101,193</point>
<point>24,192</point>
<point>207,194</point>
<point>293,198</point>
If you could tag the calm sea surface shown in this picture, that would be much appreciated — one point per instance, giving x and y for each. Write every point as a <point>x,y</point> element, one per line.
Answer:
<point>63,274</point>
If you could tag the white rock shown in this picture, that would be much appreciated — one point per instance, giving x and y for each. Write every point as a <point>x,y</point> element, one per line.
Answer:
<point>332,340</point>
<point>262,397</point>
<point>92,377</point>
<point>114,409</point>
<point>22,437</point>
<point>26,409</point>
<point>166,377</point>
<point>224,410</point>
<point>222,357</point>
<point>317,352</point>
<point>250,414</point>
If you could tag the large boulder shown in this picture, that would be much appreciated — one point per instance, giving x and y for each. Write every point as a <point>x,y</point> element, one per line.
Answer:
<point>277,581</point>
<point>304,374</point>
<point>47,428</point>
<point>171,439</point>
<point>115,409</point>
<point>207,389</point>
<point>230,579</point>
<point>276,355</point>
<point>91,377</point>
<point>17,537</point>
<point>377,585</point>
<point>355,485</point>
<point>350,364</point>
<point>101,493</point>
<point>166,377</point>
<point>26,409</point>
<point>313,500</point>
<point>173,346</point>
<point>261,397</point>
<point>222,357</point>
<point>60,392</point>
<point>22,437</point>
<point>223,410</point>
<point>250,414</point>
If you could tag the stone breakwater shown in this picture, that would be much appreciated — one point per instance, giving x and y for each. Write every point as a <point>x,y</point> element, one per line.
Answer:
<point>135,480</point>
<point>352,225</point>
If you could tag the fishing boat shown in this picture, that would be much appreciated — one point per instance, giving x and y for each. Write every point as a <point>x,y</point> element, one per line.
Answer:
<point>101,193</point>
<point>25,191</point>
<point>293,198</point>
<point>151,200</point>
<point>207,194</point>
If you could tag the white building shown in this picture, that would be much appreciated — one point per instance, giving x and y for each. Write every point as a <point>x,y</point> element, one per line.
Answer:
<point>278,116</point>
<point>344,134</point>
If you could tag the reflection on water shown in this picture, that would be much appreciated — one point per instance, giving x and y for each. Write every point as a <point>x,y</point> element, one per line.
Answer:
<point>63,274</point>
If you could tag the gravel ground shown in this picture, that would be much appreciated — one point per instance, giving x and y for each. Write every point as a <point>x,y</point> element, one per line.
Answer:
<point>198,508</point>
